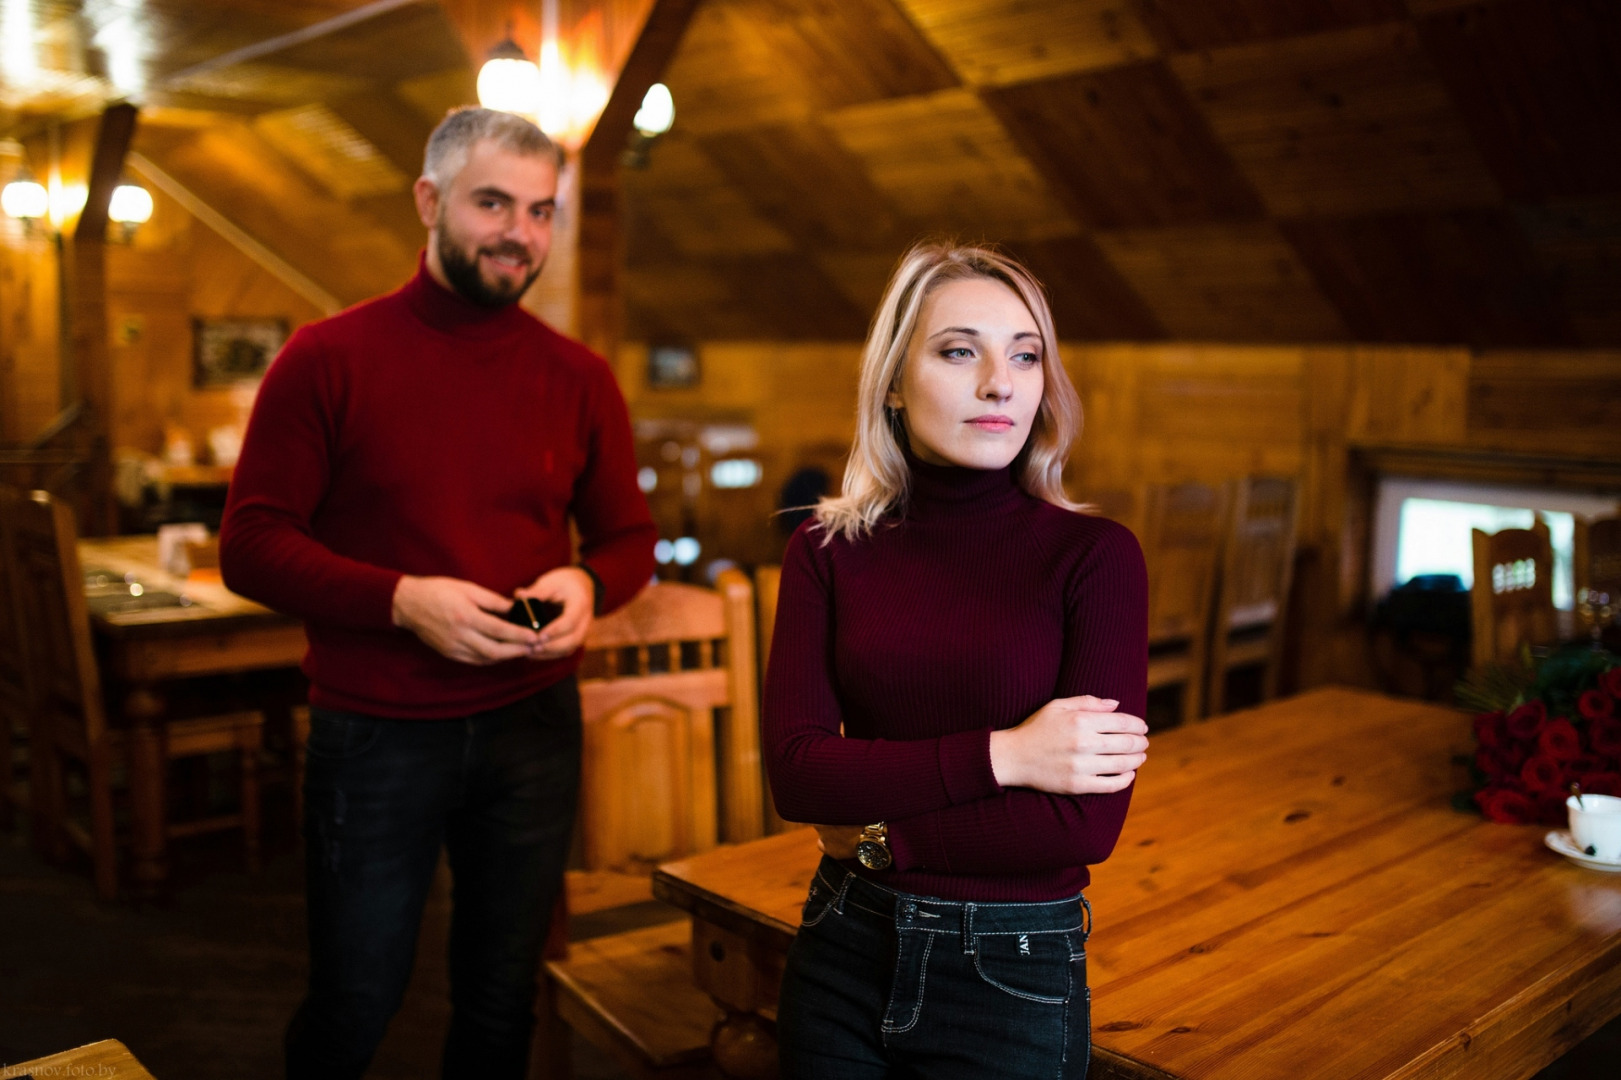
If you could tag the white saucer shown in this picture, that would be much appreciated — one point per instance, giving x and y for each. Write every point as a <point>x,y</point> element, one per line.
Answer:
<point>1559,840</point>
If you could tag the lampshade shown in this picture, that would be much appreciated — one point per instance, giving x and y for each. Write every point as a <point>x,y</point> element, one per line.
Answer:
<point>657,112</point>
<point>509,81</point>
<point>131,204</point>
<point>25,199</point>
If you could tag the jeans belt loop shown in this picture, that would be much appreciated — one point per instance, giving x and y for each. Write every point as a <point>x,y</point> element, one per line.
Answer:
<point>1086,926</point>
<point>968,929</point>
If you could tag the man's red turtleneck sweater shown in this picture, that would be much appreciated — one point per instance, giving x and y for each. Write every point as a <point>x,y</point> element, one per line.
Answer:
<point>418,433</point>
<point>967,613</point>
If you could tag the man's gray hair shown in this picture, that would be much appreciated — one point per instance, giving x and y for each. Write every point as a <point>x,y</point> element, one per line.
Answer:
<point>453,140</point>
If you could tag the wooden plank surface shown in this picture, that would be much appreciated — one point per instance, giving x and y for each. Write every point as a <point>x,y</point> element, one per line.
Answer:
<point>106,1058</point>
<point>1293,895</point>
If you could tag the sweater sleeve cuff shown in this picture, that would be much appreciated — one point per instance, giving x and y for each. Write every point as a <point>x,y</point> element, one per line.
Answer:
<point>965,766</point>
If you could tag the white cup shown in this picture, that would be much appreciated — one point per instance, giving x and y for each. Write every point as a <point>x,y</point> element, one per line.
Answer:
<point>1595,822</point>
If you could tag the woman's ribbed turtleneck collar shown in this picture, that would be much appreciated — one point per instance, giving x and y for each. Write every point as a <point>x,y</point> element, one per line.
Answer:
<point>946,492</point>
<point>454,314</point>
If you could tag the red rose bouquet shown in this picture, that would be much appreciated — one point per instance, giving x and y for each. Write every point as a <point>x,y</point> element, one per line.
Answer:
<point>1539,728</point>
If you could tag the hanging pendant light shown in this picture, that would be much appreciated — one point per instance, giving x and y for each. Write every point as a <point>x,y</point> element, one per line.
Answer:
<point>509,81</point>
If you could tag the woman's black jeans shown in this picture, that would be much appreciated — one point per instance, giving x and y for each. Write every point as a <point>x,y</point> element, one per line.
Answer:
<point>886,984</point>
<point>498,791</point>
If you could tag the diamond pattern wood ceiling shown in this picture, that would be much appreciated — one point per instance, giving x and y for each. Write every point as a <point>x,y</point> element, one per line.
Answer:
<point>1429,171</point>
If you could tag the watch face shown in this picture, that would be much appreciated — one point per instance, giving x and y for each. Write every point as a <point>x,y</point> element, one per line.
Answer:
<point>872,855</point>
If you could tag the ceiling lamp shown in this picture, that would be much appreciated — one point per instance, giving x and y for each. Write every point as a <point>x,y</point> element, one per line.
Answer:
<point>657,112</point>
<point>130,206</point>
<point>652,120</point>
<point>509,81</point>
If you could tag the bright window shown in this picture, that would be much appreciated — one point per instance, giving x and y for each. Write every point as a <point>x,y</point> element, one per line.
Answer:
<point>1423,527</point>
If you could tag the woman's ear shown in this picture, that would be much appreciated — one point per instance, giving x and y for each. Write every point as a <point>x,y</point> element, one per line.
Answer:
<point>892,400</point>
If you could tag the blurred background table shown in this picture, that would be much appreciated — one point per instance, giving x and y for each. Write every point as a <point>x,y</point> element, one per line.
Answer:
<point>216,632</point>
<point>1293,895</point>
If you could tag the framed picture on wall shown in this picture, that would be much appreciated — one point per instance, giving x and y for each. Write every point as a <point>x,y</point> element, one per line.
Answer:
<point>672,367</point>
<point>230,351</point>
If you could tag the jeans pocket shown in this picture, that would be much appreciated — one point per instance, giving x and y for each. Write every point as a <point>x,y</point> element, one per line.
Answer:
<point>818,902</point>
<point>341,736</point>
<point>1032,967</point>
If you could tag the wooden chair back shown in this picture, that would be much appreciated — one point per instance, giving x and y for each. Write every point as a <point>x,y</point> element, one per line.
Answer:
<point>1512,597</point>
<point>1252,595</point>
<point>1596,551</point>
<point>71,720</point>
<point>1181,538</point>
<point>668,688</point>
<point>16,673</point>
<point>767,583</point>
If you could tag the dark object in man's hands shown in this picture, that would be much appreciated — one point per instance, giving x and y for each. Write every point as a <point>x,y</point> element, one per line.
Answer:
<point>533,613</point>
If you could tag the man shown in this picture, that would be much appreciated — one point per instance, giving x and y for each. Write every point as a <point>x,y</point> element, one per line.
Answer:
<point>412,464</point>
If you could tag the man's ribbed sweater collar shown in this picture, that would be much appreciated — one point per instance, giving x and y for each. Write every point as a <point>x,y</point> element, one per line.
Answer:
<point>454,314</point>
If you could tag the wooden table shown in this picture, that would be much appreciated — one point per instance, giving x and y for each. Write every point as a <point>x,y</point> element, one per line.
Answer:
<point>1293,896</point>
<point>108,1058</point>
<point>219,633</point>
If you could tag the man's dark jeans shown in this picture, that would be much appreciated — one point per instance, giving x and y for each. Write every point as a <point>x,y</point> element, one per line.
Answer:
<point>498,791</point>
<point>883,984</point>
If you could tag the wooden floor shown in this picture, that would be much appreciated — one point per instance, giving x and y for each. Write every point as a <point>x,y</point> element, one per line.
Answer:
<point>203,984</point>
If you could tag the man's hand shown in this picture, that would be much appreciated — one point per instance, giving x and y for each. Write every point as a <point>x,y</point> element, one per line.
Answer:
<point>838,841</point>
<point>454,618</point>
<point>574,589</point>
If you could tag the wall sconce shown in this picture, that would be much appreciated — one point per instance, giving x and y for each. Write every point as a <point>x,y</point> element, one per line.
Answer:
<point>509,81</point>
<point>130,207</point>
<point>25,199</point>
<point>652,120</point>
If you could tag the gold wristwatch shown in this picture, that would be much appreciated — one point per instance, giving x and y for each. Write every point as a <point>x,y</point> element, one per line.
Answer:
<point>872,850</point>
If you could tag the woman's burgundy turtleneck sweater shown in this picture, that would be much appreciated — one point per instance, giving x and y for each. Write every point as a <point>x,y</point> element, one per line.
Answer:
<point>965,614</point>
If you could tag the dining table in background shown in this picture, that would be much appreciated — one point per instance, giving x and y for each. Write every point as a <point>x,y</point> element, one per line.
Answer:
<point>215,632</point>
<point>1294,895</point>
<point>108,1058</point>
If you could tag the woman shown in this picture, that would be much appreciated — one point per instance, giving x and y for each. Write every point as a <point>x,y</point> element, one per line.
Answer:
<point>983,646</point>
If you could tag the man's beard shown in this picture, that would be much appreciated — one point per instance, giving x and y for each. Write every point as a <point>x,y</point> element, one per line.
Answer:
<point>463,273</point>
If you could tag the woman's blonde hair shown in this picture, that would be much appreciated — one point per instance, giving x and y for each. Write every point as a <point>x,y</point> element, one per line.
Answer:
<point>876,478</point>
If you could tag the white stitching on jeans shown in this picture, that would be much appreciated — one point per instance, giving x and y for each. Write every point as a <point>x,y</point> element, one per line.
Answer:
<point>1017,993</point>
<point>922,983</point>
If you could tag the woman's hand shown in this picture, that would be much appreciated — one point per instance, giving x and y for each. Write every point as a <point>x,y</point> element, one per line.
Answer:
<point>1071,746</point>
<point>838,841</point>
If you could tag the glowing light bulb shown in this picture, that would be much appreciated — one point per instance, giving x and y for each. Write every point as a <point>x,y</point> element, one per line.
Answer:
<point>657,112</point>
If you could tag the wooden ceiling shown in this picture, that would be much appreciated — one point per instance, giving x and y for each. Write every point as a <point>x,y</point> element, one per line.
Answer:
<point>1239,170</point>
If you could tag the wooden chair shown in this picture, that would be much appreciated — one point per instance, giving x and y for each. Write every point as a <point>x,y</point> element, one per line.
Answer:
<point>1253,590</point>
<point>1182,536</point>
<point>1596,562</point>
<point>72,714</point>
<point>767,581</point>
<point>1512,598</point>
<point>16,679</point>
<point>671,765</point>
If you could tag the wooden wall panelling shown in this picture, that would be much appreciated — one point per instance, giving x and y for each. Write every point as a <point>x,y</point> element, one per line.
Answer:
<point>1537,83</point>
<point>1561,403</point>
<point>177,269</point>
<point>1125,147</point>
<point>1407,395</point>
<point>1209,24</point>
<point>30,333</point>
<point>1000,42</point>
<point>1236,281</point>
<point>1354,122</point>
